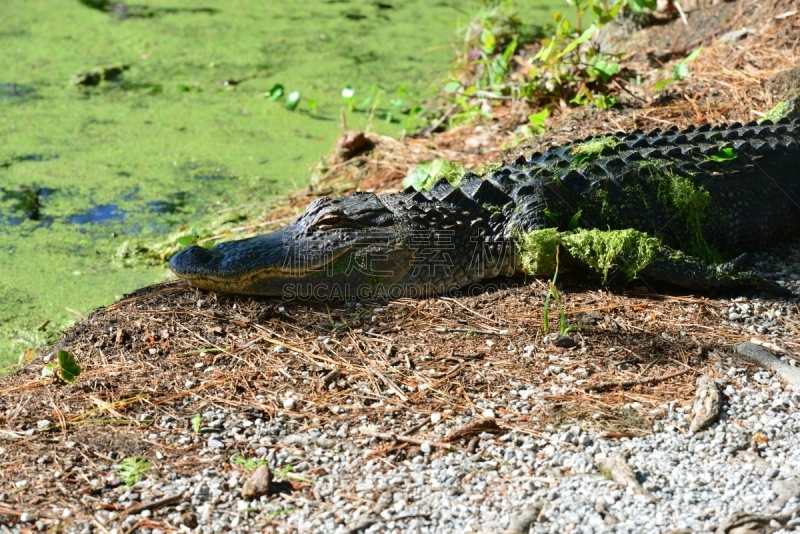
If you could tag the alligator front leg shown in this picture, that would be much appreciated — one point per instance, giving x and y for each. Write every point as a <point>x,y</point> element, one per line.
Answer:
<point>691,273</point>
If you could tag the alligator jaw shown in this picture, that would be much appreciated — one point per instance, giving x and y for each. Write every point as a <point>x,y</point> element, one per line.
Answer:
<point>279,264</point>
<point>250,266</point>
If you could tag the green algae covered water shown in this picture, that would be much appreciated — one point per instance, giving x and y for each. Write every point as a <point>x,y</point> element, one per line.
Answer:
<point>188,134</point>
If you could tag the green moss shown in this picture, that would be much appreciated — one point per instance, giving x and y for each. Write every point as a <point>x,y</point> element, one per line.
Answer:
<point>486,168</point>
<point>452,172</point>
<point>601,250</point>
<point>781,110</point>
<point>593,149</point>
<point>691,201</point>
<point>538,251</point>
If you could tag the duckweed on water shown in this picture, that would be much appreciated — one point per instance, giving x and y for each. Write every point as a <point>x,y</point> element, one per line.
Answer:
<point>191,103</point>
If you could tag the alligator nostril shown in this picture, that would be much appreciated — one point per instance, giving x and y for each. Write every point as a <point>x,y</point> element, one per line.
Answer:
<point>190,260</point>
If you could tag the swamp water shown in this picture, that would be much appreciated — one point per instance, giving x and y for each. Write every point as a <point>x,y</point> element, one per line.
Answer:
<point>184,135</point>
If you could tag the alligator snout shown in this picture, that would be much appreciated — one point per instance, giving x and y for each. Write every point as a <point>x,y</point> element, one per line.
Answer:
<point>193,261</point>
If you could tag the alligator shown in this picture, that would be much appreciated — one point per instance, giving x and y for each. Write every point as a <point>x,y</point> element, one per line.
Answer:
<point>683,207</point>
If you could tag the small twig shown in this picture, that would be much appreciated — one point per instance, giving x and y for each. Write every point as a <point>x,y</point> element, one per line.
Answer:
<point>681,12</point>
<point>604,386</point>
<point>432,128</point>
<point>454,301</point>
<point>473,331</point>
<point>168,287</point>
<point>407,439</point>
<point>153,505</point>
<point>414,429</point>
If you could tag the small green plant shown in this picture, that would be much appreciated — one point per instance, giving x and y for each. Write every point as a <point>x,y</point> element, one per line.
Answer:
<point>425,175</point>
<point>197,422</point>
<point>66,364</point>
<point>371,104</point>
<point>193,238</point>
<point>293,100</point>
<point>132,468</point>
<point>248,463</point>
<point>285,473</point>
<point>552,292</point>
<point>275,92</point>
<point>349,97</point>
<point>568,65</point>
<point>276,513</point>
<point>537,121</point>
<point>679,71</point>
<point>396,105</point>
<point>575,221</point>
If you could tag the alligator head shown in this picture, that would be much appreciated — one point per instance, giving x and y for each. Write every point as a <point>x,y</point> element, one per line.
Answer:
<point>357,246</point>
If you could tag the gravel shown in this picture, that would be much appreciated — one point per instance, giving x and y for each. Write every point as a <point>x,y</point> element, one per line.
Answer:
<point>749,461</point>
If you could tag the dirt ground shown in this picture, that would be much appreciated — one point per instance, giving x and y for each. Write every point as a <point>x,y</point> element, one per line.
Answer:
<point>637,350</point>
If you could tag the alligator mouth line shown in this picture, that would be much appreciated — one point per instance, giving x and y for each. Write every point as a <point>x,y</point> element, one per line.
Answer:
<point>243,280</point>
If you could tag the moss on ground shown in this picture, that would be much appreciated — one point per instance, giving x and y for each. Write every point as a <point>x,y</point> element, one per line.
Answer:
<point>787,108</point>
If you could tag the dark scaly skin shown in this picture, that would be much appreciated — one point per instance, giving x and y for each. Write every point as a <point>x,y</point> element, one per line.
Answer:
<point>423,243</point>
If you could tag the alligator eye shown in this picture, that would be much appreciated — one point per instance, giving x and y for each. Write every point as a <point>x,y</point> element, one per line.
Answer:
<point>329,220</point>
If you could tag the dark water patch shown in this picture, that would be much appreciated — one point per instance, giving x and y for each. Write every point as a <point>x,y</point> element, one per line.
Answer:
<point>124,11</point>
<point>174,203</point>
<point>17,32</point>
<point>203,170</point>
<point>25,203</point>
<point>15,91</point>
<point>103,213</point>
<point>92,78</point>
<point>353,14</point>
<point>26,157</point>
